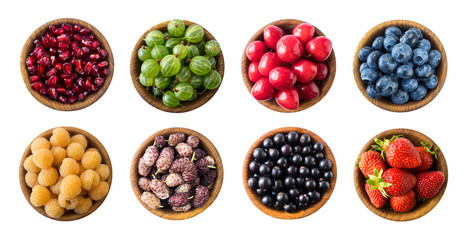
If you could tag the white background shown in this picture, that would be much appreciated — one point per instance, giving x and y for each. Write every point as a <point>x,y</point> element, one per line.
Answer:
<point>232,120</point>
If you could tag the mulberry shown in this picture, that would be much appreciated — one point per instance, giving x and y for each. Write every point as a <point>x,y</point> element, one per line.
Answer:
<point>193,141</point>
<point>143,169</point>
<point>179,199</point>
<point>175,139</point>
<point>159,141</point>
<point>150,156</point>
<point>151,200</point>
<point>209,179</point>
<point>185,208</point>
<point>199,154</point>
<point>165,159</point>
<point>183,188</point>
<point>178,165</point>
<point>201,196</point>
<point>184,149</point>
<point>144,184</point>
<point>204,165</point>
<point>174,180</point>
<point>160,189</point>
<point>190,172</point>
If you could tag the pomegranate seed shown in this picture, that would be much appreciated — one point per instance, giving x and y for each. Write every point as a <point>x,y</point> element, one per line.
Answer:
<point>87,67</point>
<point>30,60</point>
<point>104,72</point>
<point>78,37</point>
<point>102,64</point>
<point>52,28</point>
<point>78,52</point>
<point>53,42</point>
<point>62,99</point>
<point>94,56</point>
<point>79,66</point>
<point>94,71</point>
<point>73,61</point>
<point>95,45</point>
<point>53,93</point>
<point>85,51</point>
<point>82,96</point>
<point>53,51</point>
<point>38,49</point>
<point>88,83</point>
<point>85,31</point>
<point>67,82</point>
<point>80,82</point>
<point>40,70</point>
<point>74,44</point>
<point>36,86</point>
<point>58,66</point>
<point>45,41</point>
<point>102,52</point>
<point>69,93</point>
<point>31,69</point>
<point>98,81</point>
<point>52,81</point>
<point>87,43</point>
<point>72,99</point>
<point>64,56</point>
<point>51,72</point>
<point>45,60</point>
<point>64,75</point>
<point>40,54</point>
<point>67,27</point>
<point>93,88</point>
<point>60,90</point>
<point>62,46</point>
<point>59,31</point>
<point>42,91</point>
<point>91,37</point>
<point>63,38</point>
<point>67,68</point>
<point>53,60</point>
<point>34,79</point>
<point>37,42</point>
<point>76,28</point>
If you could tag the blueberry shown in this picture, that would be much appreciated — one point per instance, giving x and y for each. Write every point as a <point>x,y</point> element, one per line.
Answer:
<point>378,43</point>
<point>410,37</point>
<point>369,76</point>
<point>410,64</point>
<point>431,82</point>
<point>402,53</point>
<point>390,42</point>
<point>419,56</point>
<point>419,93</point>
<point>393,31</point>
<point>400,97</point>
<point>387,64</point>
<point>409,85</point>
<point>424,45</point>
<point>386,86</point>
<point>363,53</point>
<point>434,58</point>
<point>372,92</point>
<point>423,71</point>
<point>404,72</point>
<point>418,31</point>
<point>363,66</point>
<point>373,59</point>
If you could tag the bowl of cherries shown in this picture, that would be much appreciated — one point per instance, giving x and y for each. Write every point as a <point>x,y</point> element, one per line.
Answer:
<point>67,64</point>
<point>288,65</point>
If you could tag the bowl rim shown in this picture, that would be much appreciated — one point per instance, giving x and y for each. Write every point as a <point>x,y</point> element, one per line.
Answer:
<point>68,215</point>
<point>386,211</point>
<point>283,214</point>
<point>441,70</point>
<point>168,213</point>
<point>325,85</point>
<point>135,64</point>
<point>56,105</point>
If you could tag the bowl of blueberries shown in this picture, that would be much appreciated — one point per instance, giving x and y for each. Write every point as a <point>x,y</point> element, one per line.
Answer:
<point>289,173</point>
<point>400,65</point>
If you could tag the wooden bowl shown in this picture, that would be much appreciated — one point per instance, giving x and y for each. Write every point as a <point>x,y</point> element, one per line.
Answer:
<point>93,142</point>
<point>91,98</point>
<point>206,145</point>
<point>385,102</point>
<point>288,25</point>
<point>135,66</point>
<point>421,207</point>
<point>256,200</point>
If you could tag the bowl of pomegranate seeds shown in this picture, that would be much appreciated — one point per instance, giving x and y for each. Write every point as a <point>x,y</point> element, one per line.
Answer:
<point>67,64</point>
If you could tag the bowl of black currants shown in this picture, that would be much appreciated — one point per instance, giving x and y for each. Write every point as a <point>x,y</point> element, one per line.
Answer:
<point>289,173</point>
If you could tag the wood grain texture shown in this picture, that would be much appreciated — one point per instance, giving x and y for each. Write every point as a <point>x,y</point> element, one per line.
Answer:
<point>206,145</point>
<point>256,200</point>
<point>93,142</point>
<point>288,25</point>
<point>135,66</point>
<point>91,98</point>
<point>386,103</point>
<point>422,208</point>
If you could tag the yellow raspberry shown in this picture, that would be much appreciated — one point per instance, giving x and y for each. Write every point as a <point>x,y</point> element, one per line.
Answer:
<point>100,191</point>
<point>60,137</point>
<point>69,167</point>
<point>89,179</point>
<point>48,177</point>
<point>43,158</point>
<point>53,209</point>
<point>31,179</point>
<point>84,204</point>
<point>55,189</point>
<point>40,143</point>
<point>103,171</point>
<point>40,195</point>
<point>30,166</point>
<point>59,154</point>
<point>91,149</point>
<point>70,186</point>
<point>68,204</point>
<point>91,159</point>
<point>81,139</point>
<point>75,151</point>
<point>82,169</point>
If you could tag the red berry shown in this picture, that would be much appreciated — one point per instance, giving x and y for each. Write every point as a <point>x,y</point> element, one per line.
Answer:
<point>322,71</point>
<point>282,78</point>
<point>404,203</point>
<point>288,99</point>
<point>308,91</point>
<point>268,61</point>
<point>262,90</point>
<point>429,183</point>
<point>304,32</point>
<point>319,48</point>
<point>305,70</point>
<point>289,49</point>
<point>271,36</point>
<point>375,196</point>
<point>255,50</point>
<point>254,73</point>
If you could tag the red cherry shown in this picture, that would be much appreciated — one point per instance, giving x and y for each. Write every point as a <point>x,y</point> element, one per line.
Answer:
<point>271,35</point>
<point>288,99</point>
<point>262,90</point>
<point>289,49</point>
<point>308,91</point>
<point>255,50</point>
<point>319,48</point>
<point>282,78</point>
<point>304,32</point>
<point>305,70</point>
<point>254,74</point>
<point>268,61</point>
<point>322,71</point>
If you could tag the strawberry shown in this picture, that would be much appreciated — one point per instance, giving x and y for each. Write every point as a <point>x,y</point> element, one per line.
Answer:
<point>401,181</point>
<point>404,203</point>
<point>402,154</point>
<point>425,153</point>
<point>375,196</point>
<point>429,183</point>
<point>369,161</point>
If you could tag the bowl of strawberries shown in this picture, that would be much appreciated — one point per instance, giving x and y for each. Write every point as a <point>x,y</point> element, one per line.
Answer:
<point>400,174</point>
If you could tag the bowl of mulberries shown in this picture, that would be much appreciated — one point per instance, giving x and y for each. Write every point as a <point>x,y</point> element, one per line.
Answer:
<point>289,173</point>
<point>176,173</point>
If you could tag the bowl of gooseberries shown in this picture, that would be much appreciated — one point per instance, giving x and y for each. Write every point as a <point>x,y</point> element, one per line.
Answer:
<point>177,66</point>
